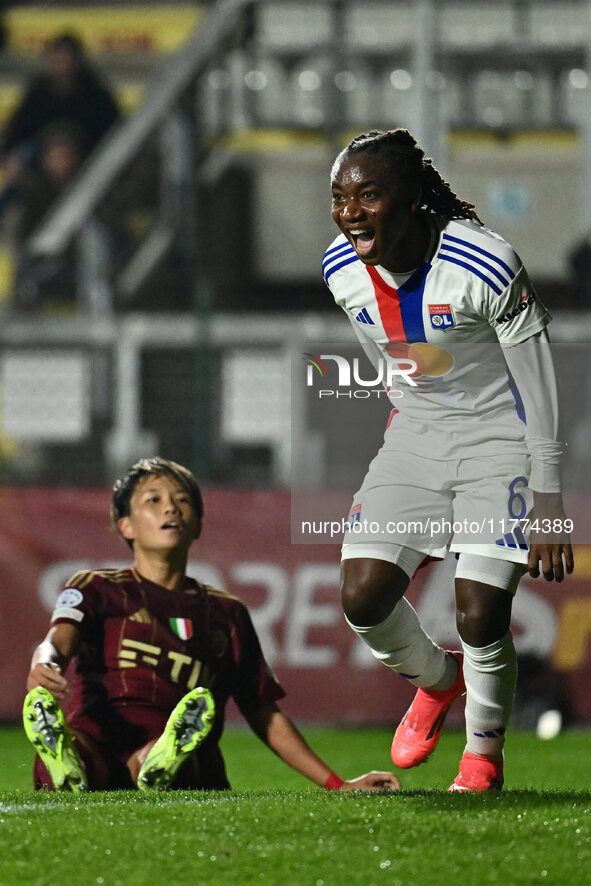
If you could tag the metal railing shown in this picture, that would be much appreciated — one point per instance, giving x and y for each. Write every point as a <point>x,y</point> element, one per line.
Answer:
<point>110,277</point>
<point>123,344</point>
<point>74,214</point>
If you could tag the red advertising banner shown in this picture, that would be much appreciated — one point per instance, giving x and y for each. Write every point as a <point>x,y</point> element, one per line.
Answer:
<point>292,591</point>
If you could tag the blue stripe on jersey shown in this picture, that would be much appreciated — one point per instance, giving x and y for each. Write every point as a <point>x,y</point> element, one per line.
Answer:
<point>337,267</point>
<point>342,245</point>
<point>463,264</point>
<point>490,255</point>
<point>332,254</point>
<point>519,407</point>
<point>411,304</point>
<point>480,261</point>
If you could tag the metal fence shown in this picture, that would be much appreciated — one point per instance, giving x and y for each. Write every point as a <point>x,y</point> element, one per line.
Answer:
<point>138,219</point>
<point>80,399</point>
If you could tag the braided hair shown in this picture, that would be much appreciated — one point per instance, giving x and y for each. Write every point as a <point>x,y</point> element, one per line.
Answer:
<point>411,170</point>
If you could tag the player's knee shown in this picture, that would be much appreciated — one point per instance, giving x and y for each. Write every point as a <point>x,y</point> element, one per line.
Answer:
<point>370,589</point>
<point>473,628</point>
<point>483,619</point>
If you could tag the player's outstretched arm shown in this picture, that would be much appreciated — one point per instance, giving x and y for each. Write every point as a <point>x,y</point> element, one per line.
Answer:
<point>550,546</point>
<point>51,658</point>
<point>284,739</point>
<point>532,368</point>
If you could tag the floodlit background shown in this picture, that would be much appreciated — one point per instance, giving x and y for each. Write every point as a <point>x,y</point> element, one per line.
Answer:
<point>154,304</point>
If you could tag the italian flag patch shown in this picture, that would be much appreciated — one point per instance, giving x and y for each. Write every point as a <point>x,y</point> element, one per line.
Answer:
<point>182,627</point>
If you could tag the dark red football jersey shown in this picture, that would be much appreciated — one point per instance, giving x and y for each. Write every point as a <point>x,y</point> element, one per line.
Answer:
<point>142,647</point>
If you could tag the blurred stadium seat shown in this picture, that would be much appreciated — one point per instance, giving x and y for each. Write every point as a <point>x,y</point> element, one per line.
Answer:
<point>575,85</point>
<point>308,82</point>
<point>267,92</point>
<point>292,27</point>
<point>356,82</point>
<point>499,101</point>
<point>378,27</point>
<point>558,24</point>
<point>468,24</point>
<point>396,91</point>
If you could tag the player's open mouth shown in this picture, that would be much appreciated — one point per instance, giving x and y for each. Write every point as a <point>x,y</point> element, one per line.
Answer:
<point>363,240</point>
<point>171,524</point>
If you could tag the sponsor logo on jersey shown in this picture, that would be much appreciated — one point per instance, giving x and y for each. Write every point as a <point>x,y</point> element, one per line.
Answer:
<point>525,302</point>
<point>441,317</point>
<point>515,539</point>
<point>363,317</point>
<point>183,668</point>
<point>354,517</point>
<point>182,627</point>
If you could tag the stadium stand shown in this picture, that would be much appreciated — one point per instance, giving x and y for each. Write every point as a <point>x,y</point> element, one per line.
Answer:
<point>227,107</point>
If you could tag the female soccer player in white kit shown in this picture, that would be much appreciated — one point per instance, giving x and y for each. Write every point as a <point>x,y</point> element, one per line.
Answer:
<point>470,462</point>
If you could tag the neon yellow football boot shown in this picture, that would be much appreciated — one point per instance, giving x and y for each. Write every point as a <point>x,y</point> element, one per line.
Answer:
<point>47,730</point>
<point>186,729</point>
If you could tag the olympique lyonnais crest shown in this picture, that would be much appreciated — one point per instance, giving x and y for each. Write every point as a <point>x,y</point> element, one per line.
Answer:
<point>441,317</point>
<point>182,627</point>
<point>354,515</point>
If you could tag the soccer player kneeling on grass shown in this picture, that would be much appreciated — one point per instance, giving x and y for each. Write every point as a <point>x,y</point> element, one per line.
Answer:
<point>157,656</point>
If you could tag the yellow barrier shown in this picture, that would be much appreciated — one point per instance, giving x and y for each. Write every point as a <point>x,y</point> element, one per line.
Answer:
<point>151,29</point>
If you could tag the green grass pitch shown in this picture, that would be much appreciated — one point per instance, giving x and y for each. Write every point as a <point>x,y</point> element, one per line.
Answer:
<point>275,828</point>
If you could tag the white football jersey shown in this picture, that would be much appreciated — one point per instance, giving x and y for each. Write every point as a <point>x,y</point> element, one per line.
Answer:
<point>453,312</point>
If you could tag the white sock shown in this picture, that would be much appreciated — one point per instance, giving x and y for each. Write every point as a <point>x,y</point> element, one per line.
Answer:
<point>402,645</point>
<point>490,673</point>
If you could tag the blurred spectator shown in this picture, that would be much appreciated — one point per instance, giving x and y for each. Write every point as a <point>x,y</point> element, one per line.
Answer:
<point>68,91</point>
<point>59,155</point>
<point>64,113</point>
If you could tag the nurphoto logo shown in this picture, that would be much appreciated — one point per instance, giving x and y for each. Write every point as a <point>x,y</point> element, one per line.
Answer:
<point>348,375</point>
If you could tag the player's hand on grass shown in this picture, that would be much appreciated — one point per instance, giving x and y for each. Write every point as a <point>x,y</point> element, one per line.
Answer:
<point>549,541</point>
<point>48,675</point>
<point>372,781</point>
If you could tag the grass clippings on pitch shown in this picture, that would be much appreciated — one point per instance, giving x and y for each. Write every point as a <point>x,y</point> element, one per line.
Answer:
<point>274,829</point>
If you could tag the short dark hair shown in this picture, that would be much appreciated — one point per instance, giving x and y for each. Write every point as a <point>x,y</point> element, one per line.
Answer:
<point>124,488</point>
<point>66,40</point>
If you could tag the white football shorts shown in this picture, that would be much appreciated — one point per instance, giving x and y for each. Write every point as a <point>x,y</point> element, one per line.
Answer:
<point>477,504</point>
